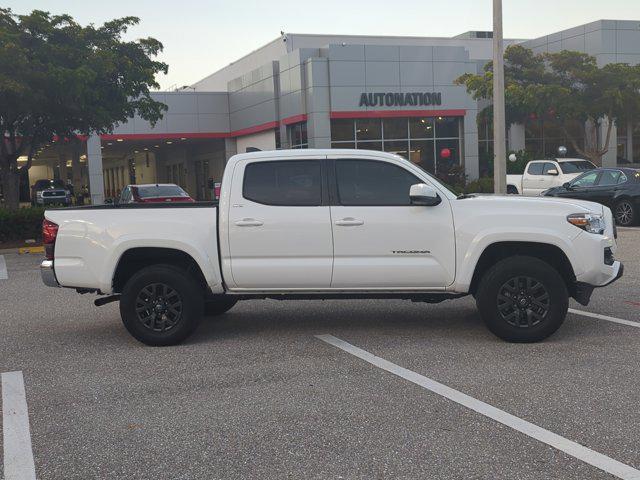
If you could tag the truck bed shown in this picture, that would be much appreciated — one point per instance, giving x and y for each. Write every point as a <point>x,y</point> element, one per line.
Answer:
<point>92,239</point>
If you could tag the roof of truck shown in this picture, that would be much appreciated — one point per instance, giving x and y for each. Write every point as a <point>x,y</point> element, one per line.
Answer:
<point>292,154</point>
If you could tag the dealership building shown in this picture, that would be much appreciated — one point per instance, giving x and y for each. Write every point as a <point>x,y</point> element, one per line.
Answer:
<point>396,94</point>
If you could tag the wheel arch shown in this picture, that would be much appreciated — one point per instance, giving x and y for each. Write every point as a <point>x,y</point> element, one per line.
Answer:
<point>137,258</point>
<point>549,253</point>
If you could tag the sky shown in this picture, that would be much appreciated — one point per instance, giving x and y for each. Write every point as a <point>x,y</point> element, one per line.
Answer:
<point>200,37</point>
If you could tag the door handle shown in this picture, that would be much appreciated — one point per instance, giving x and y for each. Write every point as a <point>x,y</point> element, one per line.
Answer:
<point>349,222</point>
<point>249,222</point>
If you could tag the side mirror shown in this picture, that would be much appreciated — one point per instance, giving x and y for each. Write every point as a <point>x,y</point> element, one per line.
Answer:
<point>552,171</point>
<point>566,185</point>
<point>423,194</point>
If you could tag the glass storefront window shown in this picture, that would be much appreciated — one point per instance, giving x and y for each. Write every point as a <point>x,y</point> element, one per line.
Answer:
<point>369,145</point>
<point>394,128</point>
<point>399,147</point>
<point>368,129</point>
<point>343,145</point>
<point>297,134</point>
<point>447,127</point>
<point>419,139</point>
<point>421,127</point>
<point>342,129</point>
<point>421,153</point>
<point>447,155</point>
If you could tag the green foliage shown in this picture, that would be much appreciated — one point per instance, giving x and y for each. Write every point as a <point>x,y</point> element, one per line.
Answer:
<point>482,185</point>
<point>522,158</point>
<point>60,79</point>
<point>21,224</point>
<point>562,88</point>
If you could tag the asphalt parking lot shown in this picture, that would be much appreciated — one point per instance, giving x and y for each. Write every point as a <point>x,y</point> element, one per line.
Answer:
<point>256,394</point>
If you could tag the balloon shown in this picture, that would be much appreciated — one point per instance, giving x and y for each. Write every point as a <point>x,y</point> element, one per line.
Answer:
<point>445,153</point>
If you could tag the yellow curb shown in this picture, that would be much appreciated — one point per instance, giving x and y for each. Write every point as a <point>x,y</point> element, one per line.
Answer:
<point>23,250</point>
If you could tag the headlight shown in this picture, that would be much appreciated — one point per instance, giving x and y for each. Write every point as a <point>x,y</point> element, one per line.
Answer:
<point>590,222</point>
<point>38,194</point>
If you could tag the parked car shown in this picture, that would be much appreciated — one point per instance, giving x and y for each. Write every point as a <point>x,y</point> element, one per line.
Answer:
<point>303,224</point>
<point>154,193</point>
<point>49,192</point>
<point>540,175</point>
<point>617,188</point>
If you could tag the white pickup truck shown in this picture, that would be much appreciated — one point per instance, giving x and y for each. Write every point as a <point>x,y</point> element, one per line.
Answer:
<point>541,175</point>
<point>334,224</point>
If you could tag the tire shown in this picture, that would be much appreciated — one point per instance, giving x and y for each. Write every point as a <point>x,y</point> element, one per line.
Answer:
<point>522,317</point>
<point>625,213</point>
<point>218,306</point>
<point>511,190</point>
<point>175,302</point>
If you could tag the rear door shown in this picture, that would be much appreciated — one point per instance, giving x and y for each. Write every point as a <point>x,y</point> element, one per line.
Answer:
<point>279,225</point>
<point>381,240</point>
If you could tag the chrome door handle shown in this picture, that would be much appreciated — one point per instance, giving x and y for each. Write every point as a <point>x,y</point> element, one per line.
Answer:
<point>249,222</point>
<point>349,222</point>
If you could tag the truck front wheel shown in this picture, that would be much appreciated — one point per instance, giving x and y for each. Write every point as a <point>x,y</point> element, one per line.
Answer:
<point>161,305</point>
<point>522,299</point>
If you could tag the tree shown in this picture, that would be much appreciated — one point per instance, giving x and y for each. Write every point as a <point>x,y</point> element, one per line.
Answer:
<point>563,88</point>
<point>61,80</point>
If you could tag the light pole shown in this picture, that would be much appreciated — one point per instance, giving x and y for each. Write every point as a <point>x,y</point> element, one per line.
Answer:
<point>499,127</point>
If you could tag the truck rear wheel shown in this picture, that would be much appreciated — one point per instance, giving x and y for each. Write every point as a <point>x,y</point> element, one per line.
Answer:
<point>161,305</point>
<point>522,299</point>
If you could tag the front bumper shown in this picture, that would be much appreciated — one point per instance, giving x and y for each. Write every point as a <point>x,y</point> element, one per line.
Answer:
<point>48,274</point>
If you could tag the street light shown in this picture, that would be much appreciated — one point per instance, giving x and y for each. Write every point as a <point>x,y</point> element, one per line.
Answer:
<point>499,127</point>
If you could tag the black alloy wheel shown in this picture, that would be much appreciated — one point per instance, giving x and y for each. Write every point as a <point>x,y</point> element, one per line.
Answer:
<point>159,307</point>
<point>522,299</point>
<point>523,302</point>
<point>161,304</point>
<point>624,213</point>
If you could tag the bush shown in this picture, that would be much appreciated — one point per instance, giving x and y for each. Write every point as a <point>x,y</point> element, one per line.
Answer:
<point>482,185</point>
<point>21,224</point>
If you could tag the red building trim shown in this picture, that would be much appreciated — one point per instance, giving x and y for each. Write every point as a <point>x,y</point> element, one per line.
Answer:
<point>295,119</point>
<point>398,113</point>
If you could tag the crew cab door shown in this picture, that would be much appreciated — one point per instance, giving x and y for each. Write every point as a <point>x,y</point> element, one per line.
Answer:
<point>279,225</point>
<point>380,239</point>
<point>532,179</point>
<point>539,177</point>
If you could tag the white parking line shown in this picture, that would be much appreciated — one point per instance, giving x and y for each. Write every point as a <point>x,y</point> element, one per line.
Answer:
<point>621,321</point>
<point>3,269</point>
<point>574,449</point>
<point>18,455</point>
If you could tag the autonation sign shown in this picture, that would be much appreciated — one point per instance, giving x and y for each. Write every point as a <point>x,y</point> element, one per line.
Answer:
<point>396,99</point>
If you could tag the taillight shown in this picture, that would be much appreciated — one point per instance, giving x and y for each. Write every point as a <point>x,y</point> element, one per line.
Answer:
<point>49,233</point>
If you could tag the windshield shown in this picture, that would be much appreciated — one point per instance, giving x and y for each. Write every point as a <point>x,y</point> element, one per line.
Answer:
<point>577,166</point>
<point>42,184</point>
<point>161,191</point>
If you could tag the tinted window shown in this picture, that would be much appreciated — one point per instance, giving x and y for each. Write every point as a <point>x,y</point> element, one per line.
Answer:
<point>156,191</point>
<point>609,177</point>
<point>291,183</point>
<point>368,182</point>
<point>548,166</point>
<point>622,178</point>
<point>535,169</point>
<point>585,180</point>
<point>577,166</point>
<point>42,184</point>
